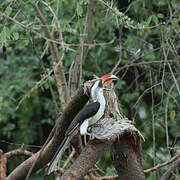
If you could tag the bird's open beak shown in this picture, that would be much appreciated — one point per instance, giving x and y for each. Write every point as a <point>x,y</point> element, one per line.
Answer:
<point>110,80</point>
<point>113,77</point>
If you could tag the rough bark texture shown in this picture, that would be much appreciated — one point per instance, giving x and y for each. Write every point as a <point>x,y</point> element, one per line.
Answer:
<point>127,157</point>
<point>126,150</point>
<point>62,124</point>
<point>3,165</point>
<point>87,159</point>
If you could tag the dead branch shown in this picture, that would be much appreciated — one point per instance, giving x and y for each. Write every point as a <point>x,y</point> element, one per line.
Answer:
<point>18,152</point>
<point>75,105</point>
<point>17,144</point>
<point>105,177</point>
<point>95,148</point>
<point>58,71</point>
<point>52,40</point>
<point>113,125</point>
<point>3,165</point>
<point>69,158</point>
<point>162,164</point>
<point>174,165</point>
<point>88,35</point>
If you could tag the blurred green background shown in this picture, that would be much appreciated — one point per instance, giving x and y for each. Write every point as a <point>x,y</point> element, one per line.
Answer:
<point>142,36</point>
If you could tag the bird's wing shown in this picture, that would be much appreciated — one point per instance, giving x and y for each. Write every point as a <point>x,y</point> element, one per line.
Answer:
<point>87,112</point>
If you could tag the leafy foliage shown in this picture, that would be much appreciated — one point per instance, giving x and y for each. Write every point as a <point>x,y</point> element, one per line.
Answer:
<point>145,38</point>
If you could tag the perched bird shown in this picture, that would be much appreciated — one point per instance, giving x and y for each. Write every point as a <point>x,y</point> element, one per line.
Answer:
<point>89,115</point>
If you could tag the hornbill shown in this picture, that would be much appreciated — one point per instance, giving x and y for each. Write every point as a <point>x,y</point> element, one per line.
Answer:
<point>89,115</point>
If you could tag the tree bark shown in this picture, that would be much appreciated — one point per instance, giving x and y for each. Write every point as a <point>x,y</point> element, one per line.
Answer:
<point>62,124</point>
<point>3,165</point>
<point>127,157</point>
<point>87,159</point>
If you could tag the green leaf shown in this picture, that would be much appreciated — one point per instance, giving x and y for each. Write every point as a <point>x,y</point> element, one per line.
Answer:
<point>8,10</point>
<point>15,35</point>
<point>174,3</point>
<point>79,10</point>
<point>150,57</point>
<point>172,115</point>
<point>160,15</point>
<point>155,19</point>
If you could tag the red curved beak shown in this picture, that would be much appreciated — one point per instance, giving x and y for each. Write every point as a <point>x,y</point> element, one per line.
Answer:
<point>108,78</point>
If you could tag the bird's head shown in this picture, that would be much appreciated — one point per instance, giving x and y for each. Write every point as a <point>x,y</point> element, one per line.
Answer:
<point>100,84</point>
<point>107,79</point>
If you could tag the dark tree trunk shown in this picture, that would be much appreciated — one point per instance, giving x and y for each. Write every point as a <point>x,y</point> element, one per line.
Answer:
<point>127,157</point>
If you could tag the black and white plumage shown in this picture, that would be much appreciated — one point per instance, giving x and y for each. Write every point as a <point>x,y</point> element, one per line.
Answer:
<point>89,115</point>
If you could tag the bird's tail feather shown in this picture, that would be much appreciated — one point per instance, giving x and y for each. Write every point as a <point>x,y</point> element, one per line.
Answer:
<point>57,156</point>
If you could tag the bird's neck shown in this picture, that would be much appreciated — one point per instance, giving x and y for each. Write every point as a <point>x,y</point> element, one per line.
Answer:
<point>100,97</point>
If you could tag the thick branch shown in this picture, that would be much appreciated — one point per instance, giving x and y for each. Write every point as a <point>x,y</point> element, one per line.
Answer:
<point>62,124</point>
<point>108,129</point>
<point>127,157</point>
<point>87,159</point>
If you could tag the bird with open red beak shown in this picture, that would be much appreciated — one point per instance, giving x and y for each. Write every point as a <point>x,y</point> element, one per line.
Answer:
<point>88,116</point>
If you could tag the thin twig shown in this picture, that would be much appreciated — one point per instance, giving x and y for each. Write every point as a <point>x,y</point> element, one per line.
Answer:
<point>174,165</point>
<point>153,120</point>
<point>58,71</point>
<point>175,81</point>
<point>15,144</point>
<point>59,74</point>
<point>162,164</point>
<point>129,25</point>
<point>144,63</point>
<point>145,92</point>
<point>69,158</point>
<point>52,40</point>
<point>18,152</point>
<point>88,35</point>
<point>37,85</point>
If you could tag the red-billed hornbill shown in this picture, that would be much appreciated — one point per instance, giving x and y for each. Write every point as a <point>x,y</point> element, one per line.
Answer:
<point>89,115</point>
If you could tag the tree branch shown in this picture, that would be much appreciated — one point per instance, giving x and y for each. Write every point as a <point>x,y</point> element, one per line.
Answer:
<point>127,157</point>
<point>88,35</point>
<point>3,165</point>
<point>58,71</point>
<point>106,133</point>
<point>18,152</point>
<point>75,105</point>
<point>166,175</point>
<point>87,159</point>
<point>162,164</point>
<point>52,40</point>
